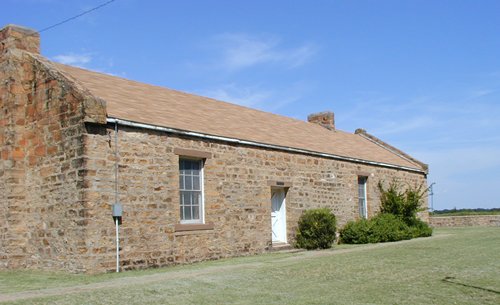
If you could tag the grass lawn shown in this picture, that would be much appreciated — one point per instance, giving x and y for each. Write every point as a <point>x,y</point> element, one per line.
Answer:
<point>455,266</point>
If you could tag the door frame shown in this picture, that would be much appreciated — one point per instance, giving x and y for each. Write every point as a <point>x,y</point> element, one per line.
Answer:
<point>282,213</point>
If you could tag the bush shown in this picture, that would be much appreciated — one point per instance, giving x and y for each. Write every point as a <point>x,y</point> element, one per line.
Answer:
<point>397,219</point>
<point>403,204</point>
<point>388,227</point>
<point>420,229</point>
<point>356,232</point>
<point>381,228</point>
<point>316,229</point>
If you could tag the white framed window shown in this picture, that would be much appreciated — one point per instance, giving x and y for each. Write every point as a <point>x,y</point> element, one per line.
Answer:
<point>191,190</point>
<point>362,204</point>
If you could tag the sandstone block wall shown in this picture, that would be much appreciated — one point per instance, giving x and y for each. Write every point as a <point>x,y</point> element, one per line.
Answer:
<point>465,221</point>
<point>40,147</point>
<point>237,196</point>
<point>41,165</point>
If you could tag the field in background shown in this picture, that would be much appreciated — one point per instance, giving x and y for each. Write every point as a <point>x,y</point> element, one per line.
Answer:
<point>455,266</point>
<point>465,212</point>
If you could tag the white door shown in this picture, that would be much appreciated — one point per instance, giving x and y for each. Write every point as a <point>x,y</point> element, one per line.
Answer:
<point>278,216</point>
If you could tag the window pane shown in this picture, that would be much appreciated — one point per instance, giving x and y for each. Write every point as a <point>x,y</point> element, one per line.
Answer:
<point>196,183</point>
<point>187,213</point>
<point>196,198</point>
<point>184,198</point>
<point>361,204</point>
<point>181,182</point>
<point>361,187</point>
<point>188,200</point>
<point>189,183</point>
<point>182,166</point>
<point>362,207</point>
<point>195,166</point>
<point>196,212</point>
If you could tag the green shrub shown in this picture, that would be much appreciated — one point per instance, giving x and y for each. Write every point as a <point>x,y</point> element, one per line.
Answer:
<point>316,229</point>
<point>388,227</point>
<point>397,219</point>
<point>404,204</point>
<point>420,229</point>
<point>356,232</point>
<point>381,228</point>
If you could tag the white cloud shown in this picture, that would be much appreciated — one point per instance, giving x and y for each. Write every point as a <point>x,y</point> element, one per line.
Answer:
<point>460,117</point>
<point>256,96</point>
<point>239,51</point>
<point>404,126</point>
<point>478,93</point>
<point>245,96</point>
<point>90,61</point>
<point>72,59</point>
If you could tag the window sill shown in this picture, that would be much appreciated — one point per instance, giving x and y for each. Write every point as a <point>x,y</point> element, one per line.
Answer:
<point>184,227</point>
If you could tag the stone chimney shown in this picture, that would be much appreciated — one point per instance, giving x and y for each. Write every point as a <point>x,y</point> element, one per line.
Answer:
<point>325,119</point>
<point>18,37</point>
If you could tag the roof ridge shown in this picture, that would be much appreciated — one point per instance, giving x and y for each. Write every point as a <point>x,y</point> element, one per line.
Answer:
<point>363,133</point>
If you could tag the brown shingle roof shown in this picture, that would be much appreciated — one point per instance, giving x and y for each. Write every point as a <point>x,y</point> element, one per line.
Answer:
<point>138,102</point>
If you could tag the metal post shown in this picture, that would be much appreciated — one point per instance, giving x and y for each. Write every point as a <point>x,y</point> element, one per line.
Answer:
<point>117,246</point>
<point>116,200</point>
<point>431,193</point>
<point>116,163</point>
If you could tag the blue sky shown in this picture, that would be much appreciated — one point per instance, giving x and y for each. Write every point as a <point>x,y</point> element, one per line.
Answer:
<point>421,75</point>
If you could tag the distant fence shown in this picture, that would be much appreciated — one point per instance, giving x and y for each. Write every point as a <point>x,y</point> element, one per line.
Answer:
<point>465,221</point>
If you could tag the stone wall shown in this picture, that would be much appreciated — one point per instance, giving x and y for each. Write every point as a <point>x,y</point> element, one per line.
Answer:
<point>41,143</point>
<point>465,221</point>
<point>237,196</point>
<point>41,165</point>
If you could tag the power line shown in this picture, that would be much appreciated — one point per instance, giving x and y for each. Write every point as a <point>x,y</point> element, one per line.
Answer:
<point>76,16</point>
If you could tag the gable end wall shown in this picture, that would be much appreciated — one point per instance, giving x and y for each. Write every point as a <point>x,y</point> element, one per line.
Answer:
<point>42,219</point>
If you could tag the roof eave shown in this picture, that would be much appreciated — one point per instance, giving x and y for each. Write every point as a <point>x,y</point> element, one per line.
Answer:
<point>195,134</point>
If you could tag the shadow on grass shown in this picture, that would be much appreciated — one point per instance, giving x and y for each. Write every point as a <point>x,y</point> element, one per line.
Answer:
<point>450,279</point>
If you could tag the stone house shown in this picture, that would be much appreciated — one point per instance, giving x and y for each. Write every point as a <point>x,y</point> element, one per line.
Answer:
<point>197,178</point>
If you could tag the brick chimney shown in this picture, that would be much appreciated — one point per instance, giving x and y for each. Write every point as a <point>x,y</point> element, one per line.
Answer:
<point>325,119</point>
<point>18,37</point>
